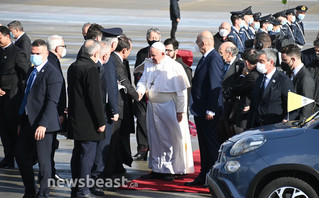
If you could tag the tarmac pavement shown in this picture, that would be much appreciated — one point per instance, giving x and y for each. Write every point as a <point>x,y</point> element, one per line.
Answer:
<point>42,18</point>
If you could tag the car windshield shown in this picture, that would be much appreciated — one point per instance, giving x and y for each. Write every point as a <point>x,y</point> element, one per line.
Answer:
<point>311,121</point>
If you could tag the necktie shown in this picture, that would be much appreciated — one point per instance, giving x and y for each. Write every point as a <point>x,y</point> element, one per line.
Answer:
<point>226,66</point>
<point>262,86</point>
<point>27,90</point>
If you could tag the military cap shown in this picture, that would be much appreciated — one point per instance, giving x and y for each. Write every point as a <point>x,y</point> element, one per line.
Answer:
<point>275,21</point>
<point>265,19</point>
<point>112,32</point>
<point>240,14</point>
<point>290,11</point>
<point>279,14</point>
<point>302,8</point>
<point>257,16</point>
<point>247,11</point>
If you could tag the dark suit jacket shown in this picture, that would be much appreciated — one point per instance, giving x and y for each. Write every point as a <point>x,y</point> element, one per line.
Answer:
<point>125,98</point>
<point>86,113</point>
<point>305,86</point>
<point>244,87</point>
<point>218,40</point>
<point>44,97</point>
<point>110,80</point>
<point>206,86</point>
<point>174,10</point>
<point>24,43</point>
<point>13,69</point>
<point>308,56</point>
<point>53,59</point>
<point>229,79</point>
<point>271,107</point>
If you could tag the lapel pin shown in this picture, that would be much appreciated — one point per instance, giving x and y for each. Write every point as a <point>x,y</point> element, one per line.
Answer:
<point>273,80</point>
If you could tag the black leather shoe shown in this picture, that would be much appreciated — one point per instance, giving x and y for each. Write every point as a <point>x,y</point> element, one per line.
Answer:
<point>97,191</point>
<point>168,177</point>
<point>140,156</point>
<point>197,182</point>
<point>152,175</point>
<point>6,164</point>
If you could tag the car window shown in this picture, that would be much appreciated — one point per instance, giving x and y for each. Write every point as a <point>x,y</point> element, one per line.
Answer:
<point>314,123</point>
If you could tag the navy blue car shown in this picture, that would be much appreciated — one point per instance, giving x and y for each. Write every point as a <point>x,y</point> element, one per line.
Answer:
<point>280,160</point>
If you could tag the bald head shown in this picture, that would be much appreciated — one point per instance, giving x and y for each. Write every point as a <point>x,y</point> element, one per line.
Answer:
<point>228,51</point>
<point>205,41</point>
<point>225,25</point>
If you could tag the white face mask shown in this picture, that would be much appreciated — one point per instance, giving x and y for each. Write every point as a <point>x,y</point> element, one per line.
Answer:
<point>223,32</point>
<point>261,68</point>
<point>250,21</point>
<point>293,19</point>
<point>64,52</point>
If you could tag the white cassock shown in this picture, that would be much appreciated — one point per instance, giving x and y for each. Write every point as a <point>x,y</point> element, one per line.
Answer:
<point>169,140</point>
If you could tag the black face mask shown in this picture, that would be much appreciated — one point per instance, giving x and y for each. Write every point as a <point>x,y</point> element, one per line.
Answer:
<point>84,37</point>
<point>151,42</point>
<point>285,67</point>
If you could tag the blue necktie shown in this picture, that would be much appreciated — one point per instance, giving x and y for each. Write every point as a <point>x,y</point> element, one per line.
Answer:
<point>226,66</point>
<point>27,90</point>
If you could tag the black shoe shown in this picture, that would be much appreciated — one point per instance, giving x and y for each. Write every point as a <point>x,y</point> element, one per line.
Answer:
<point>97,191</point>
<point>168,177</point>
<point>197,182</point>
<point>7,163</point>
<point>152,175</point>
<point>58,178</point>
<point>140,156</point>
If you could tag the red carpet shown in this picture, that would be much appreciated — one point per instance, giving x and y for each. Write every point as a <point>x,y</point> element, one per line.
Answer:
<point>175,186</point>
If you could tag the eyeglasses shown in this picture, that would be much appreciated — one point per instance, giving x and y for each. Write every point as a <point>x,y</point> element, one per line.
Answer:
<point>168,50</point>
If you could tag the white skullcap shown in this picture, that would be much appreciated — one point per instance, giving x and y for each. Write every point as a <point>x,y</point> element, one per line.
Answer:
<point>160,46</point>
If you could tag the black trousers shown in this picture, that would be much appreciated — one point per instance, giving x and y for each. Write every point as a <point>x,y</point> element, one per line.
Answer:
<point>8,124</point>
<point>102,150</point>
<point>141,132</point>
<point>208,140</point>
<point>82,160</point>
<point>27,152</point>
<point>174,28</point>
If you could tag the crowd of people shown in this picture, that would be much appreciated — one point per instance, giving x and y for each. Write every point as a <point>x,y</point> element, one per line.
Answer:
<point>241,81</point>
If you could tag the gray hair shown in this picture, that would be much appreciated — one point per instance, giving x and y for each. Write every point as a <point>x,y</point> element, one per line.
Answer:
<point>91,47</point>
<point>233,49</point>
<point>15,24</point>
<point>271,54</point>
<point>54,41</point>
<point>105,47</point>
<point>152,29</point>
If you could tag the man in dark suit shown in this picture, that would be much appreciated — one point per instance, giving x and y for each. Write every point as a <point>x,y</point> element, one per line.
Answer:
<point>21,39</point>
<point>243,87</point>
<point>39,120</point>
<point>269,102</point>
<point>301,77</point>
<point>57,50</point>
<point>13,70</point>
<point>171,47</point>
<point>120,142</point>
<point>153,35</point>
<point>207,104</point>
<point>86,115</point>
<point>309,55</point>
<point>175,16</point>
<point>221,36</point>
<point>232,69</point>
